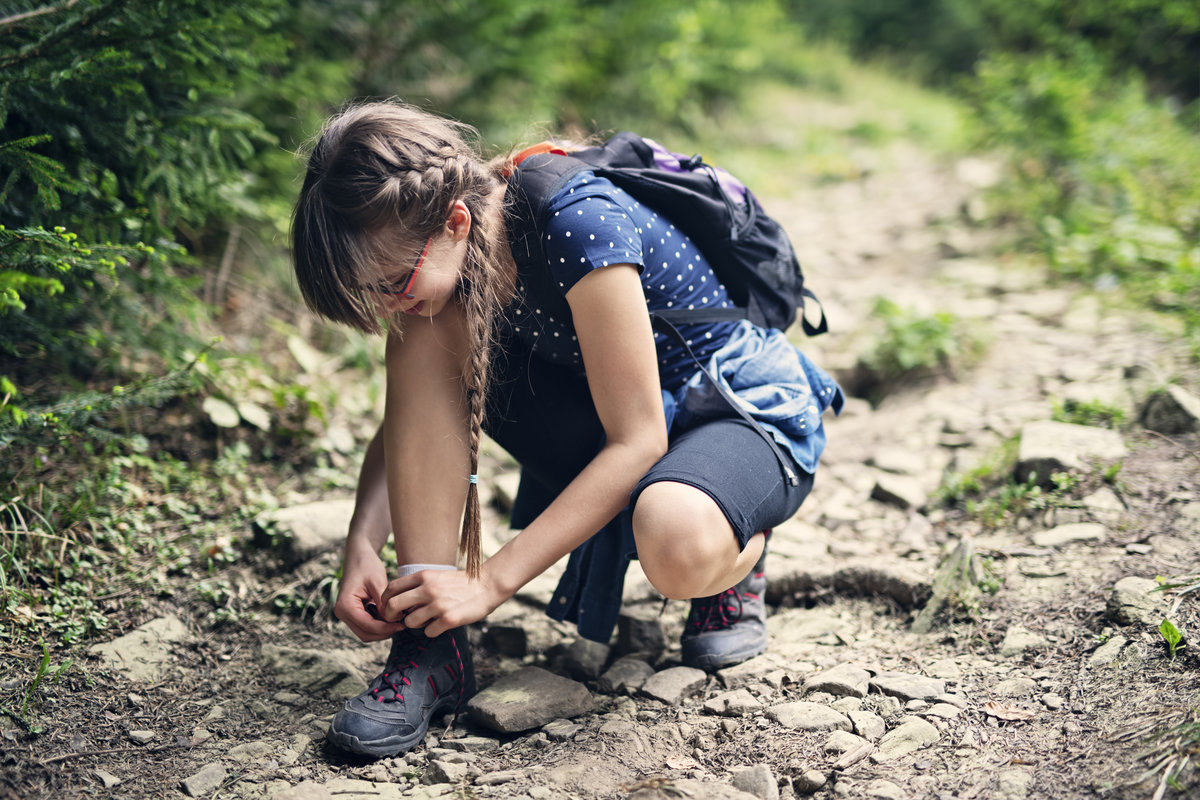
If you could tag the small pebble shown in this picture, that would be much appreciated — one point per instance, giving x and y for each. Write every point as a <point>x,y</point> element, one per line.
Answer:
<point>142,737</point>
<point>1052,701</point>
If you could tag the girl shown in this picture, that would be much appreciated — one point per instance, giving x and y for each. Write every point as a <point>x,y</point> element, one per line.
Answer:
<point>401,228</point>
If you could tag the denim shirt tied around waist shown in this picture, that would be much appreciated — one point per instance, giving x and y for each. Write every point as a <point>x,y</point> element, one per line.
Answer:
<point>777,385</point>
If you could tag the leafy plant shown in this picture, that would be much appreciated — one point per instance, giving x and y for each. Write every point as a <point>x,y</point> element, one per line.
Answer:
<point>910,343</point>
<point>1171,636</point>
<point>1094,413</point>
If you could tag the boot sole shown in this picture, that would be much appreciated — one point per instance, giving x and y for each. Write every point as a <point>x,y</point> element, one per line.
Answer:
<point>390,745</point>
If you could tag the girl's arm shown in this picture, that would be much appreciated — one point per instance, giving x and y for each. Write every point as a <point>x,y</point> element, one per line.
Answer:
<point>617,345</point>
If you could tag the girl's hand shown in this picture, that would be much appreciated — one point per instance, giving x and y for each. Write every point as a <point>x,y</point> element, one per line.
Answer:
<point>439,600</point>
<point>364,579</point>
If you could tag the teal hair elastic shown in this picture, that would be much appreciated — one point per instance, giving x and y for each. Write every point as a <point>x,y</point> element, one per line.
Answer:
<point>472,479</point>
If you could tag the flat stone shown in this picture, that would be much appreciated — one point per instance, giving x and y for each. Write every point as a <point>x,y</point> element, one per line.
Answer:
<point>843,742</point>
<point>758,781</point>
<point>733,704</point>
<point>672,685</point>
<point>1107,653</point>
<point>1134,601</point>
<point>1012,784</point>
<point>900,491</point>
<point>907,686</point>
<point>1066,534</point>
<point>472,744</point>
<point>142,737</point>
<point>205,781</point>
<point>1048,447</point>
<point>144,653</point>
<point>1172,410</point>
<point>440,770</point>
<point>497,778</point>
<point>867,725</point>
<point>308,790</point>
<point>804,716</point>
<point>251,751</point>
<point>529,698</point>
<point>356,789</point>
<point>911,734</point>
<point>1018,639</point>
<point>844,680</point>
<point>332,671</point>
<point>883,789</point>
<point>561,730</point>
<point>691,789</point>
<point>626,676</point>
<point>809,781</point>
<point>748,673</point>
<point>302,531</point>
<point>942,711</point>
<point>107,778</point>
<point>1015,687</point>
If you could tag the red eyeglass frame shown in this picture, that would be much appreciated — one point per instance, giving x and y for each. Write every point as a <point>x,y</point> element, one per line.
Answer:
<point>406,289</point>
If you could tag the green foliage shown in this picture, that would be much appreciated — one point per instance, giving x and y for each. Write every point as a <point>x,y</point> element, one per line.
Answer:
<point>1104,178</point>
<point>912,343</point>
<point>1094,413</point>
<point>1171,636</point>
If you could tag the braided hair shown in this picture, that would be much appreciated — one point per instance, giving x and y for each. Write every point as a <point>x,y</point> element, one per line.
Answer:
<point>381,179</point>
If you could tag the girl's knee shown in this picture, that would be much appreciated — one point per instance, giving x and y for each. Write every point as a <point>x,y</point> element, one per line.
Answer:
<point>683,538</point>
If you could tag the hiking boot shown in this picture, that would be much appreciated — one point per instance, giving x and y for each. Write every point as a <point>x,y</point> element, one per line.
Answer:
<point>422,679</point>
<point>730,627</point>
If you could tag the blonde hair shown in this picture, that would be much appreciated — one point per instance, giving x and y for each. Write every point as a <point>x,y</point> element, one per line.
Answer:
<point>381,179</point>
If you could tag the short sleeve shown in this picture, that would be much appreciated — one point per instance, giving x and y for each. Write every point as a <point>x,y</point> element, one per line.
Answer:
<point>587,227</point>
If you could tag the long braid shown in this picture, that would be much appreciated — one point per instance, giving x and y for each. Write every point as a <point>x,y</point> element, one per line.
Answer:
<point>381,179</point>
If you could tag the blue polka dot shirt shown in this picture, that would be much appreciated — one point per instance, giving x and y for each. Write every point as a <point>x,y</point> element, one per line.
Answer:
<point>592,224</point>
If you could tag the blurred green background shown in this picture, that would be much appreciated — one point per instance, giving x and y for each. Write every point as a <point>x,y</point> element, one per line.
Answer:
<point>147,172</point>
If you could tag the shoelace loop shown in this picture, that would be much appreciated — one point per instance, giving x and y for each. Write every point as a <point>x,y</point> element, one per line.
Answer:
<point>402,657</point>
<point>717,612</point>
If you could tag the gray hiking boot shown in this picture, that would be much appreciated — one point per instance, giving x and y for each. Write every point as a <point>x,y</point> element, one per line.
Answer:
<point>730,627</point>
<point>422,679</point>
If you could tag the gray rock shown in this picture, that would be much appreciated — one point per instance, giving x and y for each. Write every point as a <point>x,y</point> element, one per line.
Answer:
<point>748,673</point>
<point>332,671</point>
<point>497,778</point>
<point>251,751</point>
<point>303,531</point>
<point>758,781</point>
<point>585,659</point>
<point>907,686</point>
<point>626,676</point>
<point>808,781</point>
<point>507,640</point>
<point>844,680</point>
<point>1107,653</point>
<point>205,781</point>
<point>1172,410</point>
<point>843,742</point>
<point>1018,639</point>
<point>441,770</point>
<point>1012,784</point>
<point>144,653</point>
<point>142,737</point>
<point>1048,447</point>
<point>356,789</point>
<point>561,730</point>
<point>867,725</point>
<point>107,778</point>
<point>1015,687</point>
<point>733,704</point>
<point>911,734</point>
<point>1134,601</point>
<point>528,698</point>
<point>640,633</point>
<point>1066,534</point>
<point>900,491</point>
<point>882,789</point>
<point>942,711</point>
<point>804,716</point>
<point>308,790</point>
<point>471,744</point>
<point>672,685</point>
<point>691,789</point>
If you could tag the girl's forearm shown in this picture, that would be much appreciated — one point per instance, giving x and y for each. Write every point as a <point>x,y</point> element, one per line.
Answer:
<point>588,503</point>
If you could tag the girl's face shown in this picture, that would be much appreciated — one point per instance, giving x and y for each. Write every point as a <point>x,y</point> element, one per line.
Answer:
<point>423,286</point>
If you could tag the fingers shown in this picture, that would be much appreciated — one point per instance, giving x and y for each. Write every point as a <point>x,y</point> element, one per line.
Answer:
<point>358,619</point>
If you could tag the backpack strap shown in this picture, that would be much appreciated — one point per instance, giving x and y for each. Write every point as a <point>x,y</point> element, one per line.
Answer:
<point>785,463</point>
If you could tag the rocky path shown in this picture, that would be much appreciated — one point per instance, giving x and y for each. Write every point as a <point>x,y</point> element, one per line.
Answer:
<point>1045,689</point>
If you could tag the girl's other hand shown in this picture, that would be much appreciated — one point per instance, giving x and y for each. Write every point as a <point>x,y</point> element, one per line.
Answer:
<point>439,600</point>
<point>360,596</point>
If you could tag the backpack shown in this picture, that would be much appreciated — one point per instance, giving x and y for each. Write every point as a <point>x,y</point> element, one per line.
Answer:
<point>748,250</point>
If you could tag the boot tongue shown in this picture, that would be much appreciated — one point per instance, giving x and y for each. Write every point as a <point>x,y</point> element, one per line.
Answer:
<point>389,686</point>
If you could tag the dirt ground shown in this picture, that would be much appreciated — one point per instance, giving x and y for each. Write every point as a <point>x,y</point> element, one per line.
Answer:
<point>1045,717</point>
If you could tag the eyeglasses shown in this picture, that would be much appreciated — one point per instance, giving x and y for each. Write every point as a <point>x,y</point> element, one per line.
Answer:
<point>404,285</point>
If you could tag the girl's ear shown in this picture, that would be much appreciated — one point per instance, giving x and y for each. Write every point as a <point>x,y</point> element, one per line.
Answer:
<point>458,223</point>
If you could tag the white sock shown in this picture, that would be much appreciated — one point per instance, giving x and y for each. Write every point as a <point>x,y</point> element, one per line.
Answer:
<point>409,569</point>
